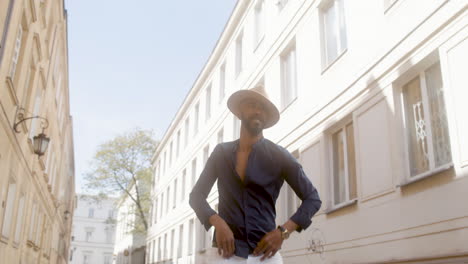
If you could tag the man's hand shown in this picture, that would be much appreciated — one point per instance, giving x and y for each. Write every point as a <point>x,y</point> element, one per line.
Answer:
<point>269,244</point>
<point>224,236</point>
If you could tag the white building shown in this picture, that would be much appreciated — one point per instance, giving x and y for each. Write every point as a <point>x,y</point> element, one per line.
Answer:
<point>130,246</point>
<point>373,103</point>
<point>93,233</point>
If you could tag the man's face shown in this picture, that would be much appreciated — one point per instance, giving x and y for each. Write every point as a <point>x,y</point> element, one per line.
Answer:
<point>253,116</point>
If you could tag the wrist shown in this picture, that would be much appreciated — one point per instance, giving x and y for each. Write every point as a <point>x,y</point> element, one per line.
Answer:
<point>216,220</point>
<point>284,232</point>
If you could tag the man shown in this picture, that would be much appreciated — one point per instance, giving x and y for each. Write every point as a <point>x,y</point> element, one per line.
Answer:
<point>250,172</point>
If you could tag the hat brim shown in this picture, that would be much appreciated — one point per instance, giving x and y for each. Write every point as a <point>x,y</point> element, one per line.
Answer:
<point>235,100</point>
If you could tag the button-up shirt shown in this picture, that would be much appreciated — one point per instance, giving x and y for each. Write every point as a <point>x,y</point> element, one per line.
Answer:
<point>248,206</point>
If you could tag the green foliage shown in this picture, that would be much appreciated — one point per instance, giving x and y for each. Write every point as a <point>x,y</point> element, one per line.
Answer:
<point>121,168</point>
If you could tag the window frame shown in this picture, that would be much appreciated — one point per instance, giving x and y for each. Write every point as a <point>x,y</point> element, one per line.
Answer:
<point>288,72</point>
<point>259,23</point>
<point>324,48</point>
<point>419,71</point>
<point>10,226</point>
<point>222,81</point>
<point>208,102</point>
<point>239,54</point>
<point>340,125</point>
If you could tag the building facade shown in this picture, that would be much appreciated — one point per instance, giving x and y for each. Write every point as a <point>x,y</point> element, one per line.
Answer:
<point>36,191</point>
<point>372,96</point>
<point>130,246</point>
<point>93,232</point>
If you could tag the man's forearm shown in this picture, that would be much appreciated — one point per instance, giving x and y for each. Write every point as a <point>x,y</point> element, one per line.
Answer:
<point>215,220</point>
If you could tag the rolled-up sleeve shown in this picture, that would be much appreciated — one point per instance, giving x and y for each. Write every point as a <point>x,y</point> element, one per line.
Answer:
<point>295,176</point>
<point>201,190</point>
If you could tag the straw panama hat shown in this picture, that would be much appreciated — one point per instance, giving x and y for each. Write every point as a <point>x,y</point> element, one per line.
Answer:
<point>258,93</point>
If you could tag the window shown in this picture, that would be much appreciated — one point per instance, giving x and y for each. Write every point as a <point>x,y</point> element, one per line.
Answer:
<point>89,233</point>
<point>19,219</point>
<point>190,237</point>
<point>181,241</point>
<point>178,144</point>
<point>109,235</point>
<point>107,259</point>
<point>259,21</point>
<point>343,165</point>
<point>197,113</point>
<point>159,248</point>
<point>220,136</point>
<point>239,54</point>
<point>170,154</point>
<point>168,198</point>
<point>333,31</point>
<point>288,76</point>
<point>90,212</point>
<point>172,244</point>
<point>86,258</point>
<point>222,82</point>
<point>194,171</point>
<point>32,224</point>
<point>110,213</point>
<point>8,215</point>
<point>208,102</point>
<point>175,194</point>
<point>16,52</point>
<point>206,154</point>
<point>202,238</point>
<point>165,247</point>
<point>155,211</point>
<point>165,162</point>
<point>40,222</point>
<point>184,180</point>
<point>427,135</point>
<point>236,128</point>
<point>187,129</point>
<point>162,204</point>
<point>153,252</point>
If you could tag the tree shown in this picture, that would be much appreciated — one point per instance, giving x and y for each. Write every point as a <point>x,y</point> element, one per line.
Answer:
<point>122,167</point>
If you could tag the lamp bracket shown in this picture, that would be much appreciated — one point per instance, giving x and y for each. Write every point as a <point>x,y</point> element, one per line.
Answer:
<point>20,116</point>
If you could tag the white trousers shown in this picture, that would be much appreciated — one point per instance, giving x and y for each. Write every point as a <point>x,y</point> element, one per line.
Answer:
<point>211,256</point>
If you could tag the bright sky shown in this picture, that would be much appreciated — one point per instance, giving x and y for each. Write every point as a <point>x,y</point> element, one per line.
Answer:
<point>131,63</point>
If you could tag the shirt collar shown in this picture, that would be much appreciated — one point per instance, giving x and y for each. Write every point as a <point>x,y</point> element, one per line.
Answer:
<point>254,146</point>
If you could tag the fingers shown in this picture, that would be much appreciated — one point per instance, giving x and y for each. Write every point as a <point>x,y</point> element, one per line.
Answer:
<point>261,247</point>
<point>270,252</point>
<point>231,248</point>
<point>227,248</point>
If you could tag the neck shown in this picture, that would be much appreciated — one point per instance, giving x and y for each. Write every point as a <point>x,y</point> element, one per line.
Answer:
<point>246,139</point>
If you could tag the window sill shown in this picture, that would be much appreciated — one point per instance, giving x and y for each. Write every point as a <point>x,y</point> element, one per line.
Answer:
<point>426,174</point>
<point>259,43</point>
<point>288,105</point>
<point>334,61</point>
<point>389,6</point>
<point>339,206</point>
<point>4,239</point>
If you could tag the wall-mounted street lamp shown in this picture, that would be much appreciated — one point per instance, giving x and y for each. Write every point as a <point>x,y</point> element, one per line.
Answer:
<point>41,141</point>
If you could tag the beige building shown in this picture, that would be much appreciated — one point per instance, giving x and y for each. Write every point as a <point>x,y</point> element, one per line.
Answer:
<point>373,99</point>
<point>37,192</point>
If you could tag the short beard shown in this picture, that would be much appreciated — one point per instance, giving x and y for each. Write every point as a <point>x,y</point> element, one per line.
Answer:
<point>252,129</point>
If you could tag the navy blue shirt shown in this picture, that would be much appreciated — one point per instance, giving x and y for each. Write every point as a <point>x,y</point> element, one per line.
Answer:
<point>248,207</point>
